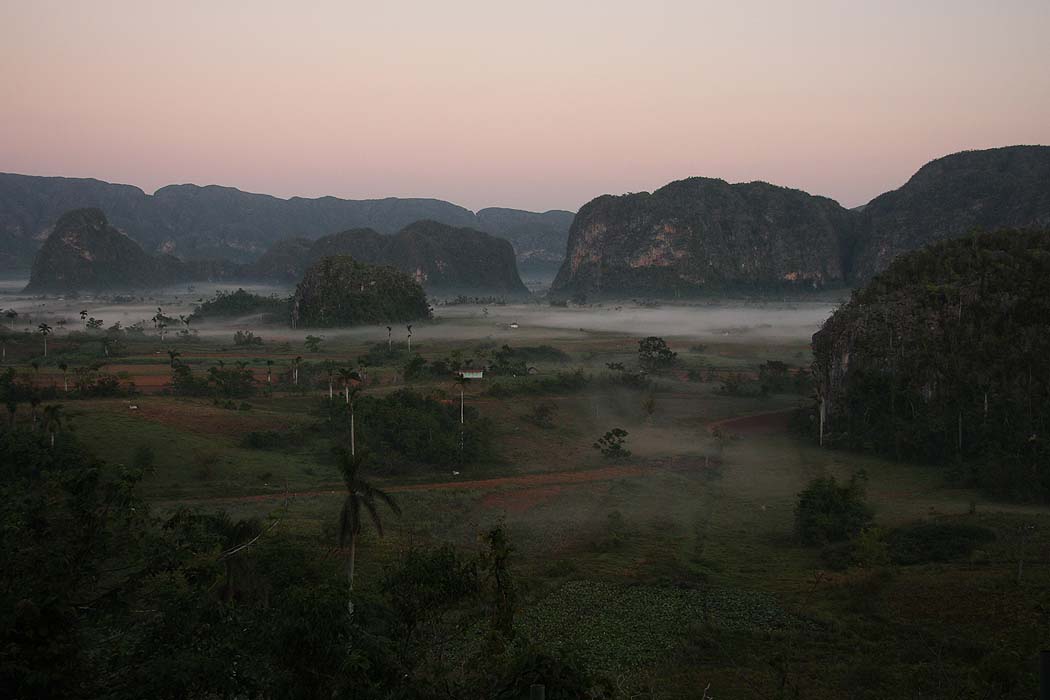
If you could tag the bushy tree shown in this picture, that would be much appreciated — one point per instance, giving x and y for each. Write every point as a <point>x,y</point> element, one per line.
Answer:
<point>654,354</point>
<point>830,512</point>
<point>613,445</point>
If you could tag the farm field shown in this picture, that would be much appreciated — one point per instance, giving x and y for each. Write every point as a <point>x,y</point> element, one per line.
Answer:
<point>668,571</point>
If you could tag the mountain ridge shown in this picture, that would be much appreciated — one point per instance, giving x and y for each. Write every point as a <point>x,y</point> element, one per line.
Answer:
<point>218,221</point>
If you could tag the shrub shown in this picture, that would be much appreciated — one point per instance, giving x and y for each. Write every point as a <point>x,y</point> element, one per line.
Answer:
<point>612,445</point>
<point>830,512</point>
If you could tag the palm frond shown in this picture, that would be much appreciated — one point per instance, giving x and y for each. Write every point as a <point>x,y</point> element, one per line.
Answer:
<point>370,506</point>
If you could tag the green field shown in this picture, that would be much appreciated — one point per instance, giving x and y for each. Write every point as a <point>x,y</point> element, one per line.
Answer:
<point>668,572</point>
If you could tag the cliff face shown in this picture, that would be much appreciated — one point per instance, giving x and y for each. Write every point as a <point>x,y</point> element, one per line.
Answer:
<point>222,222</point>
<point>951,196</point>
<point>84,252</point>
<point>945,356</point>
<point>705,234</point>
<point>438,256</point>
<point>340,291</point>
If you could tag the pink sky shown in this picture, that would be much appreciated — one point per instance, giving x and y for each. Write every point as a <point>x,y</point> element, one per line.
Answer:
<point>536,105</point>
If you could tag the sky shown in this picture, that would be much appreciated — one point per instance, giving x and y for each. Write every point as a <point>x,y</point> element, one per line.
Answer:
<point>536,105</point>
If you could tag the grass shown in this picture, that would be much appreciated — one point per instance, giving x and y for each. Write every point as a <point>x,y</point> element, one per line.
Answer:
<point>679,570</point>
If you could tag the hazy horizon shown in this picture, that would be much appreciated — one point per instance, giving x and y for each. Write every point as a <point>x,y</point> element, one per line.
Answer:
<point>539,107</point>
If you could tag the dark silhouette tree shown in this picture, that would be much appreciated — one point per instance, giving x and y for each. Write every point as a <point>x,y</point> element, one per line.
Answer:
<point>360,496</point>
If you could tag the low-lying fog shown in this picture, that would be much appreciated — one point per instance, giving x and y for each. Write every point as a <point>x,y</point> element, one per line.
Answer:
<point>709,320</point>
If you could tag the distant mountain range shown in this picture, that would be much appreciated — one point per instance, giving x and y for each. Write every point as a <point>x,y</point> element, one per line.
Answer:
<point>84,252</point>
<point>194,222</point>
<point>704,234</point>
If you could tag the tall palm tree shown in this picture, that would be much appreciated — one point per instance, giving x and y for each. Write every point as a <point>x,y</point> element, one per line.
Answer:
<point>409,326</point>
<point>350,391</point>
<point>295,369</point>
<point>360,495</point>
<point>65,377</point>
<point>44,330</point>
<point>173,355</point>
<point>389,341</point>
<point>269,371</point>
<point>52,422</point>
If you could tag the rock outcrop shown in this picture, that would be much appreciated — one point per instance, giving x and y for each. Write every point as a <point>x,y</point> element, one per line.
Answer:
<point>705,234</point>
<point>85,253</point>
<point>945,358</point>
<point>952,196</point>
<point>340,291</point>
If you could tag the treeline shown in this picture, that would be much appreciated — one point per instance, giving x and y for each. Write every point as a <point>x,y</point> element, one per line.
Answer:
<point>945,359</point>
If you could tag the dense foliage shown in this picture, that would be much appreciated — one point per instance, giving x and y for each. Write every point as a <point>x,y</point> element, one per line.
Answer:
<point>405,429</point>
<point>339,291</point>
<point>241,303</point>
<point>945,358</point>
<point>829,512</point>
<point>101,598</point>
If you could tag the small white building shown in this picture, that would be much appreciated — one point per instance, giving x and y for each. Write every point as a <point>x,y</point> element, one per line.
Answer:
<point>472,373</point>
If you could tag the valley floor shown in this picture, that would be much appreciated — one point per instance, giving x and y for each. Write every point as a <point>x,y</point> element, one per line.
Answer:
<point>668,572</point>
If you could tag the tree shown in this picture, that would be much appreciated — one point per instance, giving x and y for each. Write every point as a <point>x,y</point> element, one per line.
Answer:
<point>295,369</point>
<point>360,495</point>
<point>389,341</point>
<point>52,420</point>
<point>653,353</point>
<point>612,445</point>
<point>44,330</point>
<point>313,343</point>
<point>409,326</point>
<point>65,381</point>
<point>173,356</point>
<point>269,371</point>
<point>348,376</point>
<point>829,512</point>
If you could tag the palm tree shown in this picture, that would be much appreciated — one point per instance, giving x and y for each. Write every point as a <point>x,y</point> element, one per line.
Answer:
<point>52,420</point>
<point>65,381</point>
<point>359,495</point>
<point>295,369</point>
<point>235,535</point>
<point>83,314</point>
<point>409,337</point>
<point>347,376</point>
<point>12,409</point>
<point>173,355</point>
<point>269,371</point>
<point>389,342</point>
<point>44,330</point>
